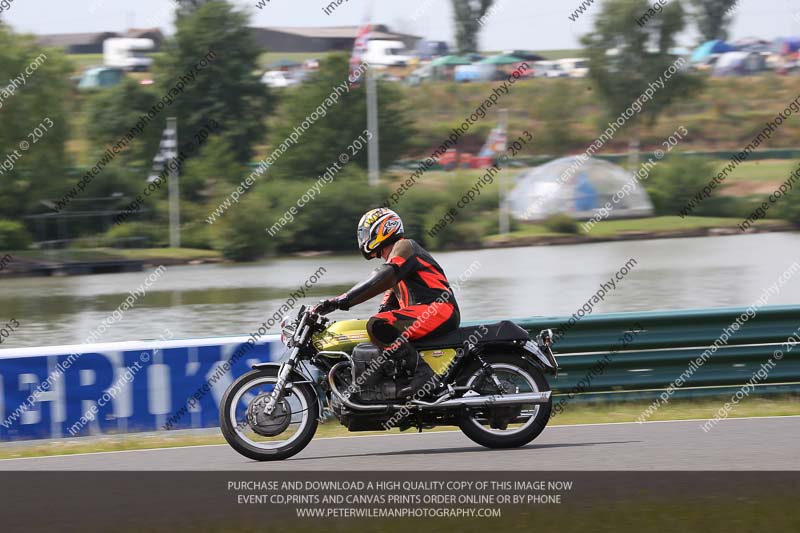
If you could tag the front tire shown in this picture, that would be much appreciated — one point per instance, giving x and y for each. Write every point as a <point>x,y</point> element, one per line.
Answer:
<point>530,375</point>
<point>250,445</point>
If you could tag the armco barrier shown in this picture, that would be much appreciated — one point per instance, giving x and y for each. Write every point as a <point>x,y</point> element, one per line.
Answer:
<point>661,350</point>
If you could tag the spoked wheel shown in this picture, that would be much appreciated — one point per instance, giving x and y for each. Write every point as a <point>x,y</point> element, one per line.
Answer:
<point>506,426</point>
<point>267,437</point>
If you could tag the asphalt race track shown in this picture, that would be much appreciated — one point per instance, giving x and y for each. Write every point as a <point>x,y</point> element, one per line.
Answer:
<point>769,443</point>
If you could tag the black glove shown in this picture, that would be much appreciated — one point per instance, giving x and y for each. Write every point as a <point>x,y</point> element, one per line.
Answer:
<point>329,306</point>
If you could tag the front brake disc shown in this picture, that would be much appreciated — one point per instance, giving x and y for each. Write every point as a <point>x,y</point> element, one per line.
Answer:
<point>268,425</point>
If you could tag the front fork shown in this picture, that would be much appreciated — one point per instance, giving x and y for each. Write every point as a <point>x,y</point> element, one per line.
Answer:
<point>283,377</point>
<point>288,366</point>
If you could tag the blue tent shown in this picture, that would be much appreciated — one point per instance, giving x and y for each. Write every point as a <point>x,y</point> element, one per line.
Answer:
<point>711,47</point>
<point>787,45</point>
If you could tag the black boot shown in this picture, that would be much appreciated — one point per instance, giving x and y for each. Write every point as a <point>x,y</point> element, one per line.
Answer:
<point>424,382</point>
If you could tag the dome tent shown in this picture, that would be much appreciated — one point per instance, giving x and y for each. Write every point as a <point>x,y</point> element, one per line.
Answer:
<point>711,47</point>
<point>537,193</point>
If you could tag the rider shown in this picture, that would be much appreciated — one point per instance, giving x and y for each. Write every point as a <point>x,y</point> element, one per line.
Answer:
<point>418,301</point>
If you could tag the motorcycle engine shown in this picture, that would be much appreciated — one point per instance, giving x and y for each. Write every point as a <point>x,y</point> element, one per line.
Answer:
<point>373,375</point>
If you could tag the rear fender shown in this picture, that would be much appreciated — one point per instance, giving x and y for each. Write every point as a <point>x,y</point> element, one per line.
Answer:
<point>546,360</point>
<point>529,350</point>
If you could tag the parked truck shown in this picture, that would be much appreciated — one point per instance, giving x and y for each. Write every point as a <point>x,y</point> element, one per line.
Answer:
<point>387,54</point>
<point>128,54</point>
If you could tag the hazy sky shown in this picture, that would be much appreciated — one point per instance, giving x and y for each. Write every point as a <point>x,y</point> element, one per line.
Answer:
<point>521,24</point>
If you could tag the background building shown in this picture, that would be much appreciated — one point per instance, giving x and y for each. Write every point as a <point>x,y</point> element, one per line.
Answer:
<point>298,39</point>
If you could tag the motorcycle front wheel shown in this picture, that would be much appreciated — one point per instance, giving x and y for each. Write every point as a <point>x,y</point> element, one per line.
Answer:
<point>253,433</point>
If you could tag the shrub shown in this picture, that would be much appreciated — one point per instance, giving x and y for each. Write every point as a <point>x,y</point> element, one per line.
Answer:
<point>137,235</point>
<point>241,237</point>
<point>561,223</point>
<point>791,208</point>
<point>725,206</point>
<point>196,235</point>
<point>13,235</point>
<point>674,182</point>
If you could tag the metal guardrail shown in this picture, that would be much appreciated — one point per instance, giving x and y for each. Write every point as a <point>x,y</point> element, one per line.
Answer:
<point>663,347</point>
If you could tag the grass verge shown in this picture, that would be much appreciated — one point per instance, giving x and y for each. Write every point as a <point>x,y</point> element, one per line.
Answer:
<point>575,414</point>
<point>613,228</point>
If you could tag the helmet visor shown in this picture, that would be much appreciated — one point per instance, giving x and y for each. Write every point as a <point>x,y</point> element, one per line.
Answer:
<point>363,235</point>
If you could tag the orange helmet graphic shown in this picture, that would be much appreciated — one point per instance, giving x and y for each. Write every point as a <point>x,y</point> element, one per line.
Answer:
<point>376,229</point>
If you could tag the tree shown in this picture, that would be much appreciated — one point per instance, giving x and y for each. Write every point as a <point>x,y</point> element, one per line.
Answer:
<point>713,17</point>
<point>113,112</point>
<point>626,59</point>
<point>558,114</point>
<point>228,89</point>
<point>321,144</point>
<point>189,6</point>
<point>215,172</point>
<point>34,112</point>
<point>467,15</point>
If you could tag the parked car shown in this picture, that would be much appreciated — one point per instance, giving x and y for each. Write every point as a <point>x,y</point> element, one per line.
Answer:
<point>477,72</point>
<point>387,53</point>
<point>549,69</point>
<point>420,74</point>
<point>575,67</point>
<point>98,77</point>
<point>279,79</point>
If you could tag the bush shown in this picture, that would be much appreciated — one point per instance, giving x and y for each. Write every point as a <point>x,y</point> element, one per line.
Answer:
<point>13,235</point>
<point>791,208</point>
<point>240,235</point>
<point>674,182</point>
<point>329,221</point>
<point>197,235</point>
<point>561,223</point>
<point>725,206</point>
<point>137,235</point>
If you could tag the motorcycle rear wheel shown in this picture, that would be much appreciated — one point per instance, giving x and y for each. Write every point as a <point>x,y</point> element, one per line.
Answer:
<point>529,375</point>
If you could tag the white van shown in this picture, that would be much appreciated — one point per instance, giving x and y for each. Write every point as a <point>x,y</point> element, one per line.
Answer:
<point>128,54</point>
<point>387,53</point>
<point>575,67</point>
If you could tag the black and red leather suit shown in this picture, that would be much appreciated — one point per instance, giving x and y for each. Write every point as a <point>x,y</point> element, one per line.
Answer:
<point>418,300</point>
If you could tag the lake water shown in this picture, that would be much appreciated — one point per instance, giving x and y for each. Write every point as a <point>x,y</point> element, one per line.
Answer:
<point>210,300</point>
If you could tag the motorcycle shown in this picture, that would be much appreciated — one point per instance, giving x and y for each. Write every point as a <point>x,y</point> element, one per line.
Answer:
<point>489,381</point>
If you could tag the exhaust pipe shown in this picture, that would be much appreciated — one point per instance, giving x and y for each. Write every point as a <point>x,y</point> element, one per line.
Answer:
<point>345,399</point>
<point>466,401</point>
<point>486,401</point>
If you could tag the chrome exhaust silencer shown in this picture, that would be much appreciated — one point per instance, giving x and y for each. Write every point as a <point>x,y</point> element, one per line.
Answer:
<point>486,401</point>
<point>441,403</point>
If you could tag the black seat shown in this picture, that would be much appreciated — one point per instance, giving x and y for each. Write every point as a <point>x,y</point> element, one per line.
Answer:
<point>504,331</point>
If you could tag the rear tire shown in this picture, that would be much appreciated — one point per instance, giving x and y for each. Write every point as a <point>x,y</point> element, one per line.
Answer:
<point>228,426</point>
<point>492,439</point>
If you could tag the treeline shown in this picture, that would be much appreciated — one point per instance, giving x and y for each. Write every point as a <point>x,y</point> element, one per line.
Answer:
<point>251,122</point>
